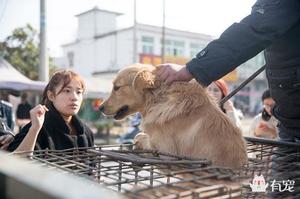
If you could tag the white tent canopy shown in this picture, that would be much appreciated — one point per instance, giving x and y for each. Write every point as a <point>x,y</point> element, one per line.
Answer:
<point>98,86</point>
<point>12,79</point>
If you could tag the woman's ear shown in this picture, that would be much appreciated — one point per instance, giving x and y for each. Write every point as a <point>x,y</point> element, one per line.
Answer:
<point>50,95</point>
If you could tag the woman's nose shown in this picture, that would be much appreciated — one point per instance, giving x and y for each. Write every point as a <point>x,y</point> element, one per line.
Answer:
<point>74,96</point>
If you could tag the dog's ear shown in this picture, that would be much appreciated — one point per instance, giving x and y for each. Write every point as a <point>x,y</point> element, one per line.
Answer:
<point>144,80</point>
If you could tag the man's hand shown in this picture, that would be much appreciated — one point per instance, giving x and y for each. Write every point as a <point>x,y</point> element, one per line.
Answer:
<point>5,140</point>
<point>172,73</point>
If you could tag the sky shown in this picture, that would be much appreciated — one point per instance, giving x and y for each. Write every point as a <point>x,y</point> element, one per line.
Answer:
<point>210,17</point>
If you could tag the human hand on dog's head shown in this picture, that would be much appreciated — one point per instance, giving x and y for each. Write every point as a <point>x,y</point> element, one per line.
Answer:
<point>170,73</point>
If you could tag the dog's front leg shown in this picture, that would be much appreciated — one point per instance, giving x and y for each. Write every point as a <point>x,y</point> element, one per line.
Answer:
<point>142,142</point>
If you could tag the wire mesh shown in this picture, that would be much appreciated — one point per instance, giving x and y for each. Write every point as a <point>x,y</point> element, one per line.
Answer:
<point>152,174</point>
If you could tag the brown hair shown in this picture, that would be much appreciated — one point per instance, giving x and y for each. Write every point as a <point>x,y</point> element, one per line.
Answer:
<point>64,76</point>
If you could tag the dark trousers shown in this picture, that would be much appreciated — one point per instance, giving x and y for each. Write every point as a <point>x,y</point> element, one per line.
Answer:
<point>285,169</point>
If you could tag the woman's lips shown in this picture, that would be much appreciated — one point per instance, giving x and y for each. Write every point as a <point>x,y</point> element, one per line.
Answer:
<point>74,106</point>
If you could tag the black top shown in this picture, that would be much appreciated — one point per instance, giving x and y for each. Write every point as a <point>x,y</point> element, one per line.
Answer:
<point>273,25</point>
<point>55,134</point>
<point>23,111</point>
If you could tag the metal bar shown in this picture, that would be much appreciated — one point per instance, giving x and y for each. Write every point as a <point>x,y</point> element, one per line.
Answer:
<point>244,83</point>
<point>272,142</point>
<point>141,160</point>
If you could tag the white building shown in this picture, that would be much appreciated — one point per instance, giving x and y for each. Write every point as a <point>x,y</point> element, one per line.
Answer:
<point>101,49</point>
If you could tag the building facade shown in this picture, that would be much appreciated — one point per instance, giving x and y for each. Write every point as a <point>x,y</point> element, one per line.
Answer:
<point>101,48</point>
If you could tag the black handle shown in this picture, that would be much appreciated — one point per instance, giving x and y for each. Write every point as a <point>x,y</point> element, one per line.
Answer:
<point>232,93</point>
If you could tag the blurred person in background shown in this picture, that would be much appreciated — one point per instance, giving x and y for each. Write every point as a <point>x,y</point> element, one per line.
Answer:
<point>6,121</point>
<point>219,90</point>
<point>22,113</point>
<point>264,124</point>
<point>6,135</point>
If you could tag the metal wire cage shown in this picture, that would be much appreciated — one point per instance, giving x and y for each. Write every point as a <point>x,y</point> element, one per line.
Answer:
<point>152,174</point>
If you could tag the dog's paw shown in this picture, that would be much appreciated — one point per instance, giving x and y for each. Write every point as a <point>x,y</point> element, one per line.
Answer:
<point>141,142</point>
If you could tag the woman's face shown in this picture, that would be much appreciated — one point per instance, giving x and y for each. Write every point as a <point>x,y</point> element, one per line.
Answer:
<point>68,101</point>
<point>215,91</point>
<point>268,103</point>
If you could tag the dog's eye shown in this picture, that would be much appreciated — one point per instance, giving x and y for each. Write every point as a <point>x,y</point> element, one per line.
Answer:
<point>116,88</point>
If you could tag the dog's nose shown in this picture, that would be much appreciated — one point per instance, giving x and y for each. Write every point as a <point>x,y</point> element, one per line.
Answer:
<point>101,108</point>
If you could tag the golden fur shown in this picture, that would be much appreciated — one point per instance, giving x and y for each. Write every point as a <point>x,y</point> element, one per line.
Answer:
<point>181,119</point>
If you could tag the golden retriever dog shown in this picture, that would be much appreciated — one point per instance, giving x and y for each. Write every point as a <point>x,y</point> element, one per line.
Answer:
<point>180,119</point>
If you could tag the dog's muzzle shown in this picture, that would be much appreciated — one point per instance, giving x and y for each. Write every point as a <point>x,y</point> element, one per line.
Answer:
<point>121,112</point>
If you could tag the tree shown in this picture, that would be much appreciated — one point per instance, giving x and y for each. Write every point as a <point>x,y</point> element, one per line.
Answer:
<point>21,49</point>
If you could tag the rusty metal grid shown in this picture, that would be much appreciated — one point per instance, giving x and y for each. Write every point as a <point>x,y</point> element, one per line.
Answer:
<point>152,174</point>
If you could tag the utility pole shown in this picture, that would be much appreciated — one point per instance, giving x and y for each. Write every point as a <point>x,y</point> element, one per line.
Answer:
<point>44,61</point>
<point>134,33</point>
<point>163,33</point>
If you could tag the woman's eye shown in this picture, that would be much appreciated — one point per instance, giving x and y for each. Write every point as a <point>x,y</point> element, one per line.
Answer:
<point>79,92</point>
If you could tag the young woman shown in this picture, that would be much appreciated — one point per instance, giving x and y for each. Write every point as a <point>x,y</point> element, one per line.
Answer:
<point>265,124</point>
<point>54,123</point>
<point>219,90</point>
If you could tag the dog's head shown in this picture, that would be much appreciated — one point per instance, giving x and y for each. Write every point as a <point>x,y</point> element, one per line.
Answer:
<point>129,88</point>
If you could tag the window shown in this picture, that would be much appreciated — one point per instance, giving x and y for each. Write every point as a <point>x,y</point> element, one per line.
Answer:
<point>168,47</point>
<point>174,48</point>
<point>147,45</point>
<point>70,56</point>
<point>195,48</point>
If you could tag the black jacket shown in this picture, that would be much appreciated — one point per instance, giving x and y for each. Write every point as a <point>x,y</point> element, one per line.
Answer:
<point>55,133</point>
<point>273,25</point>
<point>23,110</point>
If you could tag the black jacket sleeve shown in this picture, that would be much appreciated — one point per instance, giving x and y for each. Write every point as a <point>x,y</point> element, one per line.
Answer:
<point>268,20</point>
